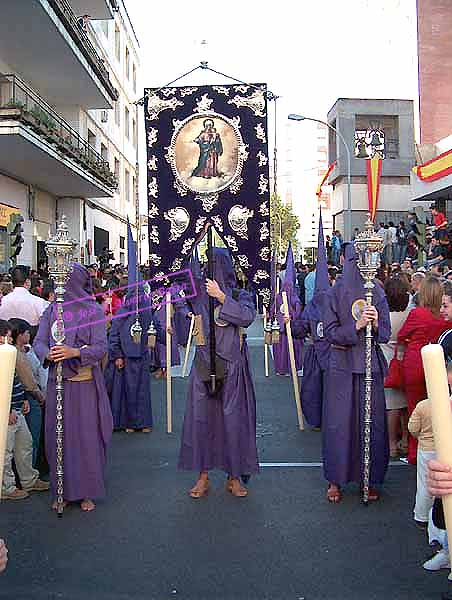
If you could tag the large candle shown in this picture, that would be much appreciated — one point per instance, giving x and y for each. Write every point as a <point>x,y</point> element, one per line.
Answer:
<point>438,393</point>
<point>8,355</point>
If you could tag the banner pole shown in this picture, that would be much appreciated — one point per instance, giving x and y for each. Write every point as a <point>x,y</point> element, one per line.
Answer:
<point>265,344</point>
<point>296,388</point>
<point>169,403</point>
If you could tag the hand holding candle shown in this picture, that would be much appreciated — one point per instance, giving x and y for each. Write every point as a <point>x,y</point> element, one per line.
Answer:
<point>438,393</point>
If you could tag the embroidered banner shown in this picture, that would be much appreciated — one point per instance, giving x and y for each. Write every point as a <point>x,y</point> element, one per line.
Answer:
<point>207,162</point>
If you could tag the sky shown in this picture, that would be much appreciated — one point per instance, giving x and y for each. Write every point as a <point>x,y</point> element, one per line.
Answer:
<point>308,52</point>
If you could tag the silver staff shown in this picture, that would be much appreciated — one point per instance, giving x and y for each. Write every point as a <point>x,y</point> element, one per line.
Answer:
<point>60,252</point>
<point>368,246</point>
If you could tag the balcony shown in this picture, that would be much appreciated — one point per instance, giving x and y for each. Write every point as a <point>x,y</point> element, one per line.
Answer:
<point>96,9</point>
<point>39,147</point>
<point>43,42</point>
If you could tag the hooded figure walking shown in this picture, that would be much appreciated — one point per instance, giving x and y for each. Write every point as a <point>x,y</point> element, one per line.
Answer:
<point>220,429</point>
<point>87,416</point>
<point>316,358</point>
<point>345,319</point>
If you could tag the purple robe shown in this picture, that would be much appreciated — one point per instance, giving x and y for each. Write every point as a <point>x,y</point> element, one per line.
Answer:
<point>343,411</point>
<point>87,416</point>
<point>130,388</point>
<point>181,322</point>
<point>220,431</point>
<point>281,349</point>
<point>159,354</point>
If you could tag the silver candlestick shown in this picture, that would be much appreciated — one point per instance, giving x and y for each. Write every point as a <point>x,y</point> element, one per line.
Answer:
<point>60,252</point>
<point>368,245</point>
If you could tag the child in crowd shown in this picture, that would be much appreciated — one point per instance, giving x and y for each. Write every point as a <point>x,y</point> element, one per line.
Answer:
<point>19,443</point>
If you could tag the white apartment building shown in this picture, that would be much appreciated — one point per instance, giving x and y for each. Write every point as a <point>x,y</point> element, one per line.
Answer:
<point>68,131</point>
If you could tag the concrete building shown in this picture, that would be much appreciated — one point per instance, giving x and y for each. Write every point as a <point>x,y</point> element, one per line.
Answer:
<point>369,126</point>
<point>68,79</point>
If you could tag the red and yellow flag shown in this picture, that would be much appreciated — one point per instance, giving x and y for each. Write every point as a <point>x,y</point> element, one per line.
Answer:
<point>436,168</point>
<point>373,168</point>
<point>324,178</point>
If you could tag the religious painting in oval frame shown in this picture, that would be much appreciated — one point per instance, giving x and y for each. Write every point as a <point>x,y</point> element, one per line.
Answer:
<point>206,153</point>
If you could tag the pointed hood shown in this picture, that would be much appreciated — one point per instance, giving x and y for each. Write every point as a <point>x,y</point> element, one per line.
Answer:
<point>290,275</point>
<point>322,282</point>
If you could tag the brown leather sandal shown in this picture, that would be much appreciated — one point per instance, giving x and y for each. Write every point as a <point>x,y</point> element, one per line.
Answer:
<point>334,495</point>
<point>200,490</point>
<point>236,490</point>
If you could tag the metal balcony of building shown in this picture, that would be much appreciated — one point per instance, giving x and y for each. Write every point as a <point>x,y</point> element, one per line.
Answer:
<point>38,147</point>
<point>95,9</point>
<point>45,42</point>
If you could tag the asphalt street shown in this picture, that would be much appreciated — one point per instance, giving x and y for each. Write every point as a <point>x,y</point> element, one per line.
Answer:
<point>149,540</point>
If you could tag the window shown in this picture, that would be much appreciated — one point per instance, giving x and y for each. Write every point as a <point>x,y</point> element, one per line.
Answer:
<point>127,63</point>
<point>134,184</point>
<point>134,77</point>
<point>122,242</point>
<point>117,43</point>
<point>91,138</point>
<point>104,152</point>
<point>122,258</point>
<point>127,184</point>
<point>134,132</point>
<point>117,113</point>
<point>127,122</point>
<point>104,27</point>
<point>117,169</point>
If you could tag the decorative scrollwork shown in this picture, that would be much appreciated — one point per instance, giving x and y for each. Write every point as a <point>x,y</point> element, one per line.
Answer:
<point>203,104</point>
<point>153,211</point>
<point>200,224</point>
<point>264,253</point>
<point>238,220</point>
<point>231,241</point>
<point>187,246</point>
<point>153,187</point>
<point>152,163</point>
<point>236,186</point>
<point>241,88</point>
<point>176,265</point>
<point>265,294</point>
<point>263,159</point>
<point>217,222</point>
<point>260,133</point>
<point>179,221</point>
<point>263,209</point>
<point>154,234</point>
<point>169,91</point>
<point>243,261</point>
<point>236,121</point>
<point>220,89</point>
<point>263,184</point>
<point>156,105</point>
<point>188,91</point>
<point>152,136</point>
<point>264,232</point>
<point>181,189</point>
<point>244,152</point>
<point>260,276</point>
<point>255,102</point>
<point>208,201</point>
<point>155,259</point>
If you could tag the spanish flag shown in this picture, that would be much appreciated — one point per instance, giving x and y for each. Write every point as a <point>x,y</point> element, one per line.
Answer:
<point>373,168</point>
<point>324,178</point>
<point>436,168</point>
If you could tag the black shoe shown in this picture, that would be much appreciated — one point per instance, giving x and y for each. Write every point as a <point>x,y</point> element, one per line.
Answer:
<point>421,524</point>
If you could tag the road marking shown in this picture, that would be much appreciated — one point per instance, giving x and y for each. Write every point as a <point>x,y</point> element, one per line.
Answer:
<point>394,463</point>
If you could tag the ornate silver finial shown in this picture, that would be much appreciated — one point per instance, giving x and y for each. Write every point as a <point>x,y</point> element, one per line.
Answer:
<point>369,246</point>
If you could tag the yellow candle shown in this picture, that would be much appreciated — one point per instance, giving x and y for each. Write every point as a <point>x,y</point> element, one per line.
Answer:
<point>438,393</point>
<point>7,367</point>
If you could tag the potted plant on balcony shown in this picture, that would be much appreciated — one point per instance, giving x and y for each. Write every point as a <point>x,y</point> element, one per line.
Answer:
<point>12,108</point>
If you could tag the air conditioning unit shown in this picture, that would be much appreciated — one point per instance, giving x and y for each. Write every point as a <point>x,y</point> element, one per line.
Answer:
<point>104,116</point>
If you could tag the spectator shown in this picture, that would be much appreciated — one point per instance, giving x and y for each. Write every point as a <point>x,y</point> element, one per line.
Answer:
<point>20,303</point>
<point>19,443</point>
<point>309,284</point>
<point>439,220</point>
<point>396,289</point>
<point>392,243</point>
<point>328,247</point>
<point>416,280</point>
<point>423,326</point>
<point>336,247</point>
<point>401,242</point>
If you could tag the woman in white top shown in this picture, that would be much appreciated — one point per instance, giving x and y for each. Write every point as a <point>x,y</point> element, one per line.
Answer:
<point>397,293</point>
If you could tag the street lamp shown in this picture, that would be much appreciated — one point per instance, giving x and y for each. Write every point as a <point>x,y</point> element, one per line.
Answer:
<point>348,222</point>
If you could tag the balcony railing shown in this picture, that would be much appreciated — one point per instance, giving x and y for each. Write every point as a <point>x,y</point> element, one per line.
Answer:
<point>19,102</point>
<point>69,19</point>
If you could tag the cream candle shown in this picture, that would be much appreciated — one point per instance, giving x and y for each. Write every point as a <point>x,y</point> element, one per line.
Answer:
<point>438,393</point>
<point>8,355</point>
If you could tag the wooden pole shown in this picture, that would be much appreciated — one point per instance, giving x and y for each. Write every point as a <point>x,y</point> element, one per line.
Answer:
<point>187,349</point>
<point>169,404</point>
<point>265,344</point>
<point>292,364</point>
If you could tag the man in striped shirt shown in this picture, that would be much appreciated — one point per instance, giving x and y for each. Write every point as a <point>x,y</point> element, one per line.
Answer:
<point>19,443</point>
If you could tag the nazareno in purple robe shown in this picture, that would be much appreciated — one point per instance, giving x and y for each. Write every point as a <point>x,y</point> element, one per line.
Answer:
<point>343,411</point>
<point>130,388</point>
<point>88,421</point>
<point>220,431</point>
<point>316,358</point>
<point>158,355</point>
<point>281,350</point>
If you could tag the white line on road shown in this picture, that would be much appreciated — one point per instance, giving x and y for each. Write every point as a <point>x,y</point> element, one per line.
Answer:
<point>394,463</point>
